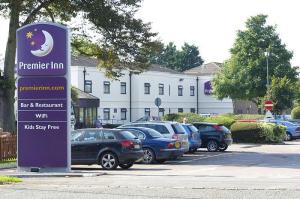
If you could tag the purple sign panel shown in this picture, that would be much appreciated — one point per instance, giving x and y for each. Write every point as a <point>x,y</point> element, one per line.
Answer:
<point>43,96</point>
<point>41,50</point>
<point>208,88</point>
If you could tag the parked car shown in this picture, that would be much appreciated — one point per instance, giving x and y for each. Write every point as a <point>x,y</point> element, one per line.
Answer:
<point>214,136</point>
<point>171,130</point>
<point>292,129</point>
<point>156,148</point>
<point>193,137</point>
<point>107,147</point>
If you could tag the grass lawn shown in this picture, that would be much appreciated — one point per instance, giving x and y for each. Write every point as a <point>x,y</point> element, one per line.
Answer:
<point>7,179</point>
<point>8,161</point>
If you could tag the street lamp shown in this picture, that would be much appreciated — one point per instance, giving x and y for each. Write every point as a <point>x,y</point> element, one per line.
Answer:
<point>267,54</point>
<point>84,72</point>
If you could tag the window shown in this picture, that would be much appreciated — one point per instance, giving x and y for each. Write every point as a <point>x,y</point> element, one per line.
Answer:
<point>115,110</point>
<point>169,90</point>
<point>147,112</point>
<point>123,113</point>
<point>88,86</point>
<point>180,110</point>
<point>147,88</point>
<point>161,89</point>
<point>160,128</point>
<point>192,90</point>
<point>180,90</point>
<point>123,87</point>
<point>108,135</point>
<point>106,87</point>
<point>161,112</point>
<point>193,110</point>
<point>106,113</point>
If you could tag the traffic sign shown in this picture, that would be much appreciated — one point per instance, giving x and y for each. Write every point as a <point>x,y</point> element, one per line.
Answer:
<point>157,101</point>
<point>269,105</point>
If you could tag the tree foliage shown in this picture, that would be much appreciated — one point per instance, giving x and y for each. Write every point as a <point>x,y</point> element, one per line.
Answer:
<point>281,93</point>
<point>180,60</point>
<point>244,73</point>
<point>108,30</point>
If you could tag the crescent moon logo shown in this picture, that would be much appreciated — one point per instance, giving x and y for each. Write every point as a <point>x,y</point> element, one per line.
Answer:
<point>46,48</point>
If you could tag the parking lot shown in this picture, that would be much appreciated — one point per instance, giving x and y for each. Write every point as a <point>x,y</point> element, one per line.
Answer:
<point>244,171</point>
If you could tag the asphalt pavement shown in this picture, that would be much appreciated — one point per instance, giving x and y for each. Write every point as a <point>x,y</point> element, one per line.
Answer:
<point>244,171</point>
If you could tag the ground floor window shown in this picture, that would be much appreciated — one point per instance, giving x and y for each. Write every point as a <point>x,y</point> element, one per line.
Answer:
<point>193,110</point>
<point>147,112</point>
<point>123,114</point>
<point>180,110</point>
<point>161,112</point>
<point>106,114</point>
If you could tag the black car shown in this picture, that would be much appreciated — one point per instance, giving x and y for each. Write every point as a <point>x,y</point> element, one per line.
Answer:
<point>156,148</point>
<point>215,137</point>
<point>108,147</point>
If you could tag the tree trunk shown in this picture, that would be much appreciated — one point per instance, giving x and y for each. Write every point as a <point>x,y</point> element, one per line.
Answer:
<point>9,69</point>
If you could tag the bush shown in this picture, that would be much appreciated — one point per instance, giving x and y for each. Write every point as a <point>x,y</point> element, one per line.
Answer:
<point>257,132</point>
<point>223,120</point>
<point>244,116</point>
<point>178,117</point>
<point>296,113</point>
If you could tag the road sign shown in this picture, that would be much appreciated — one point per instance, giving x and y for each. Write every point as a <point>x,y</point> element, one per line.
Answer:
<point>157,101</point>
<point>269,105</point>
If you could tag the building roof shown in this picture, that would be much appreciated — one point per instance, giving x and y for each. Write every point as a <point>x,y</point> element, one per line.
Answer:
<point>81,60</point>
<point>84,95</point>
<point>205,69</point>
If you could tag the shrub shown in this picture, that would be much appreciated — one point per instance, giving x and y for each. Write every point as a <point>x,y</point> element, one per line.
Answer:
<point>223,120</point>
<point>257,132</point>
<point>296,113</point>
<point>178,117</point>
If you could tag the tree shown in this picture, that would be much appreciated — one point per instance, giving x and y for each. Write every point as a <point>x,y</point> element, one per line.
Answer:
<point>180,60</point>
<point>244,74</point>
<point>189,57</point>
<point>114,35</point>
<point>281,93</point>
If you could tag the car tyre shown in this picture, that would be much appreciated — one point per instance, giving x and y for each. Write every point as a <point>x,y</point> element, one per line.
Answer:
<point>212,146</point>
<point>288,136</point>
<point>223,147</point>
<point>149,156</point>
<point>109,161</point>
<point>126,166</point>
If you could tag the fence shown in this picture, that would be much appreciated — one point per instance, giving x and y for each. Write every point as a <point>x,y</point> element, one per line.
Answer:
<point>8,147</point>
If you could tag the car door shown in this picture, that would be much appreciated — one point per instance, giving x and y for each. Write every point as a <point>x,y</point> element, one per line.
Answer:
<point>207,132</point>
<point>85,150</point>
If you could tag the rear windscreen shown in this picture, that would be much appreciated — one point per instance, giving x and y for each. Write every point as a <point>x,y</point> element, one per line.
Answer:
<point>178,129</point>
<point>193,128</point>
<point>225,129</point>
<point>128,135</point>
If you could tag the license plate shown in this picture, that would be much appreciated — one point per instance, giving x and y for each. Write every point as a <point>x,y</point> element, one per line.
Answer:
<point>177,145</point>
<point>137,146</point>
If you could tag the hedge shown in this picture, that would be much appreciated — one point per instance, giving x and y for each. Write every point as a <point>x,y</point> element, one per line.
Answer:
<point>296,113</point>
<point>257,132</point>
<point>223,120</point>
<point>178,117</point>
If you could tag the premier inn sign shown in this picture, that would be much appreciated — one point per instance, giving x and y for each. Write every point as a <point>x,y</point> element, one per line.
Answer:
<point>43,59</point>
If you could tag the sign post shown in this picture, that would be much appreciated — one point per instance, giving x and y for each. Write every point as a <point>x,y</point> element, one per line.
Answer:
<point>44,102</point>
<point>157,103</point>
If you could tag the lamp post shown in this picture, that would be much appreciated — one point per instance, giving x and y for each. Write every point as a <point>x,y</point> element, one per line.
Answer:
<point>267,54</point>
<point>84,73</point>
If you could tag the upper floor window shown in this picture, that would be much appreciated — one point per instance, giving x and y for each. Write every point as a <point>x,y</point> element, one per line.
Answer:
<point>192,90</point>
<point>147,88</point>
<point>88,86</point>
<point>161,89</point>
<point>106,85</point>
<point>180,90</point>
<point>123,87</point>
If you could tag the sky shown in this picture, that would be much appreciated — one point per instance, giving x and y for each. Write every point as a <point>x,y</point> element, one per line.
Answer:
<point>212,24</point>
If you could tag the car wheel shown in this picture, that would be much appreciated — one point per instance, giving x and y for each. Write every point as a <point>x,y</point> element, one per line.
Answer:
<point>212,146</point>
<point>109,161</point>
<point>126,166</point>
<point>161,161</point>
<point>288,137</point>
<point>149,156</point>
<point>223,147</point>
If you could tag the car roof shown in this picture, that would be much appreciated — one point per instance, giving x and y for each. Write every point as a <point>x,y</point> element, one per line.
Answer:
<point>97,129</point>
<point>155,122</point>
<point>206,123</point>
<point>135,127</point>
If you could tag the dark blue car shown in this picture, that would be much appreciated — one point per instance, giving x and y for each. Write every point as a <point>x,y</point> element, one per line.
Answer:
<point>156,148</point>
<point>193,137</point>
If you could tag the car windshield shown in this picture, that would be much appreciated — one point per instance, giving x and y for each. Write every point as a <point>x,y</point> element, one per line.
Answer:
<point>154,134</point>
<point>128,135</point>
<point>178,129</point>
<point>193,128</point>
